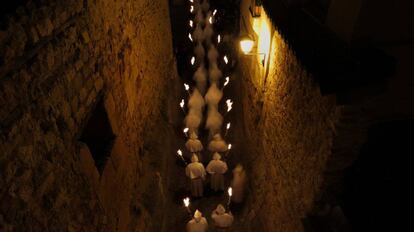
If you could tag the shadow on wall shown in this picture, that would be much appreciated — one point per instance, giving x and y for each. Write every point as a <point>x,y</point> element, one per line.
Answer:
<point>376,184</point>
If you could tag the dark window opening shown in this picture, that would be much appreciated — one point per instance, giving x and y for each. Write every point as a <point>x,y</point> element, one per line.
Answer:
<point>98,136</point>
<point>377,184</point>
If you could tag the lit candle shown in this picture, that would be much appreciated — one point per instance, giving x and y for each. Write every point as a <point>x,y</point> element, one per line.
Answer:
<point>187,88</point>
<point>227,128</point>
<point>180,154</point>
<point>226,60</point>
<point>226,82</point>
<point>182,105</point>
<point>192,60</point>
<point>210,20</point>
<point>185,131</point>
<point>228,149</point>
<point>218,39</point>
<point>230,192</point>
<point>214,12</point>
<point>187,205</point>
<point>191,9</point>
<point>191,24</point>
<point>190,37</point>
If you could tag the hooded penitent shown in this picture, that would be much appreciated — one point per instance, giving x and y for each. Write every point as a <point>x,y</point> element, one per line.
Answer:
<point>214,73</point>
<point>193,144</point>
<point>217,144</point>
<point>200,77</point>
<point>213,96</point>
<point>196,101</point>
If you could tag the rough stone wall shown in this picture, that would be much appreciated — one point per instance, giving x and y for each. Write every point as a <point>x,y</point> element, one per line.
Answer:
<point>291,127</point>
<point>57,58</point>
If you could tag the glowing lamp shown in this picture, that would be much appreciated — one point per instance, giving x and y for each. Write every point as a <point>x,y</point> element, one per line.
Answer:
<point>246,45</point>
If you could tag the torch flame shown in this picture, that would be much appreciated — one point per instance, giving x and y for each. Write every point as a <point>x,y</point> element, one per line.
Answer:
<point>186,86</point>
<point>228,126</point>
<point>191,23</point>
<point>214,12</point>
<point>192,60</point>
<point>179,152</point>
<point>191,9</point>
<point>227,81</point>
<point>230,191</point>
<point>191,1</point>
<point>229,146</point>
<point>182,103</point>
<point>225,59</point>
<point>190,37</point>
<point>218,39</point>
<point>186,130</point>
<point>186,201</point>
<point>210,20</point>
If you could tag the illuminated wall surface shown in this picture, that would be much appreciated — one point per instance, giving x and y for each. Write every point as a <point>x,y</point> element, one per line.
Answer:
<point>290,125</point>
<point>58,59</point>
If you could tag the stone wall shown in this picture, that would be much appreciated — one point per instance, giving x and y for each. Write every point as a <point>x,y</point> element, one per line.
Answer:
<point>290,126</point>
<point>58,58</point>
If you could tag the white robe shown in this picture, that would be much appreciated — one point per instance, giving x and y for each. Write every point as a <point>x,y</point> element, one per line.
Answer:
<point>213,96</point>
<point>194,146</point>
<point>222,221</point>
<point>216,168</point>
<point>237,184</point>
<point>212,55</point>
<point>214,73</point>
<point>200,77</point>
<point>196,101</point>
<point>200,226</point>
<point>217,146</point>
<point>208,34</point>
<point>196,172</point>
<point>199,52</point>
<point>214,121</point>
<point>193,120</point>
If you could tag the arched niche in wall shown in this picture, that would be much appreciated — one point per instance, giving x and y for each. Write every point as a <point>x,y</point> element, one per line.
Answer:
<point>97,134</point>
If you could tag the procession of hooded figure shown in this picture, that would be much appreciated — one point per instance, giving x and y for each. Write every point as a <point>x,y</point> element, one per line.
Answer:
<point>222,221</point>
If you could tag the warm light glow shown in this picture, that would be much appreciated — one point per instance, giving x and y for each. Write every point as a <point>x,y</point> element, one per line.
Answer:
<point>228,126</point>
<point>229,146</point>
<point>227,81</point>
<point>190,37</point>
<point>191,23</point>
<point>186,130</point>
<point>191,9</point>
<point>229,105</point>
<point>246,45</point>
<point>182,103</point>
<point>186,86</point>
<point>192,60</point>
<point>191,1</point>
<point>179,152</point>
<point>218,39</point>
<point>226,60</point>
<point>210,20</point>
<point>214,12</point>
<point>186,201</point>
<point>230,191</point>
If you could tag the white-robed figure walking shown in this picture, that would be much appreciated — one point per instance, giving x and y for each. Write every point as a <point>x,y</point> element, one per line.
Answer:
<point>196,172</point>
<point>193,144</point>
<point>238,184</point>
<point>198,223</point>
<point>222,220</point>
<point>217,144</point>
<point>216,168</point>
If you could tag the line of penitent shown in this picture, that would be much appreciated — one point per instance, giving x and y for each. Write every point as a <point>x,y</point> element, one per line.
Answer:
<point>206,73</point>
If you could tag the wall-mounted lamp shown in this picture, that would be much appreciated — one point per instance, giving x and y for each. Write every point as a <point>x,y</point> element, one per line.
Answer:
<point>247,45</point>
<point>256,8</point>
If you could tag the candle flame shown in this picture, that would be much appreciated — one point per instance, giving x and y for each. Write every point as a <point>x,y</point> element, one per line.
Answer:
<point>191,23</point>
<point>218,39</point>
<point>191,9</point>
<point>214,12</point>
<point>182,103</point>
<point>230,191</point>
<point>210,20</point>
<point>228,126</point>
<point>227,81</point>
<point>179,152</point>
<point>186,130</point>
<point>229,146</point>
<point>186,201</point>
<point>186,86</point>
<point>192,60</point>
<point>229,105</point>
<point>190,37</point>
<point>225,59</point>
<point>191,1</point>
